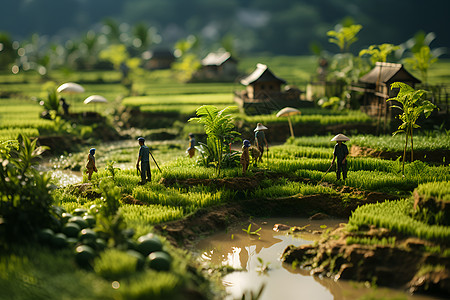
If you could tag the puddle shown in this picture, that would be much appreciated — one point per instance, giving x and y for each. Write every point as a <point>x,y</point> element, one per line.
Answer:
<point>60,177</point>
<point>252,253</point>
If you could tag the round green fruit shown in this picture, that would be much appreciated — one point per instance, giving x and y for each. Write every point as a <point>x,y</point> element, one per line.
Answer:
<point>140,259</point>
<point>90,220</point>
<point>59,240</point>
<point>87,235</point>
<point>159,261</point>
<point>66,216</point>
<point>71,230</point>
<point>79,211</point>
<point>79,220</point>
<point>72,241</point>
<point>45,235</point>
<point>84,255</point>
<point>148,244</point>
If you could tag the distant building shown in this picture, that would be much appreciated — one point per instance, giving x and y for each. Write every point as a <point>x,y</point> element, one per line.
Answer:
<point>264,94</point>
<point>158,59</point>
<point>376,87</point>
<point>221,67</point>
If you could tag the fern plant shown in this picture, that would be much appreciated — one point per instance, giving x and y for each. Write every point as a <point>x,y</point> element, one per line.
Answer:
<point>219,126</point>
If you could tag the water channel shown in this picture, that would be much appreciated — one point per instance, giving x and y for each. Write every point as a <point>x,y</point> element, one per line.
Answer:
<point>252,253</point>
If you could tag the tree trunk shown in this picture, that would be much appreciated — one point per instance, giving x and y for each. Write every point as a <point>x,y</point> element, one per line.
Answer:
<point>412,156</point>
<point>404,151</point>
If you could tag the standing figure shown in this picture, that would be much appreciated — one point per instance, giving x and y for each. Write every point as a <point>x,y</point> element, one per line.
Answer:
<point>90,166</point>
<point>245,157</point>
<point>260,139</point>
<point>340,154</point>
<point>144,158</point>
<point>65,106</point>
<point>191,149</point>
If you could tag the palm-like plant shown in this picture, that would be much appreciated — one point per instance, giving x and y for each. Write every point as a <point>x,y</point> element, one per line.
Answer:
<point>413,106</point>
<point>218,125</point>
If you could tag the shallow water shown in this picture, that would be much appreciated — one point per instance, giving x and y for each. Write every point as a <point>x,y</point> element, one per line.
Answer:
<point>251,253</point>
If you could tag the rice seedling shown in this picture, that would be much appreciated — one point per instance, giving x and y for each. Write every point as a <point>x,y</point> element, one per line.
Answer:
<point>396,143</point>
<point>439,190</point>
<point>138,216</point>
<point>290,188</point>
<point>319,119</point>
<point>395,216</point>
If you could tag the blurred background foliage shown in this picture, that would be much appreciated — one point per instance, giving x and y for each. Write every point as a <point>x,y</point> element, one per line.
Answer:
<point>287,27</point>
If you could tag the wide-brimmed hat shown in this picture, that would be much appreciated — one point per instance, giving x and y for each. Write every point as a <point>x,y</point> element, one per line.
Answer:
<point>92,151</point>
<point>259,127</point>
<point>141,139</point>
<point>340,138</point>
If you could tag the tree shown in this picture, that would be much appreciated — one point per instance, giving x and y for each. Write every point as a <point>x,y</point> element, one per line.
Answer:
<point>379,53</point>
<point>422,61</point>
<point>343,37</point>
<point>218,126</point>
<point>413,106</point>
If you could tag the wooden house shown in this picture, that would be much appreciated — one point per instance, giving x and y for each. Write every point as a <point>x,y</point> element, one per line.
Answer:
<point>159,59</point>
<point>375,87</point>
<point>217,67</point>
<point>264,93</point>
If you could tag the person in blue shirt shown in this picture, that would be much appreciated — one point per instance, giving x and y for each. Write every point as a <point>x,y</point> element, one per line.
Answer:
<point>144,159</point>
<point>340,154</point>
<point>191,149</point>
<point>260,140</point>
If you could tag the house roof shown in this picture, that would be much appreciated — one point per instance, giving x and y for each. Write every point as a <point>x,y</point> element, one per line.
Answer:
<point>216,59</point>
<point>388,72</point>
<point>261,74</point>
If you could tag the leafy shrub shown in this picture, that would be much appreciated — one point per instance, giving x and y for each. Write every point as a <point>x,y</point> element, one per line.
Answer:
<point>25,198</point>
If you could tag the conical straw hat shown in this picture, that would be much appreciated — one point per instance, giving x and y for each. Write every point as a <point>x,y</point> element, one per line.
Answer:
<point>259,127</point>
<point>340,138</point>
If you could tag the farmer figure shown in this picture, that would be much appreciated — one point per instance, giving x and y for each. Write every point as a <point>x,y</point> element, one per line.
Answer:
<point>65,106</point>
<point>191,149</point>
<point>260,139</point>
<point>90,166</point>
<point>245,157</point>
<point>340,155</point>
<point>144,158</point>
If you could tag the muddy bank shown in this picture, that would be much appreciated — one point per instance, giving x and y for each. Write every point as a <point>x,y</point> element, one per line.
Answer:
<point>399,264</point>
<point>435,156</point>
<point>209,220</point>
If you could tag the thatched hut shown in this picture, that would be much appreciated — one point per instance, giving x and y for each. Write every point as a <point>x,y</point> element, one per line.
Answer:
<point>217,67</point>
<point>376,87</point>
<point>264,94</point>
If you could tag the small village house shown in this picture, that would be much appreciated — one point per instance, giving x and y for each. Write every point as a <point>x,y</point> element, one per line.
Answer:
<point>375,87</point>
<point>263,92</point>
<point>217,67</point>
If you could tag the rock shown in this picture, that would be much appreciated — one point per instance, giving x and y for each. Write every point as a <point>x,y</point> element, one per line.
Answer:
<point>281,227</point>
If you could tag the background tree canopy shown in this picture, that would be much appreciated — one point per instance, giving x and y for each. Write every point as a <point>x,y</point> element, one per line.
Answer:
<point>258,26</point>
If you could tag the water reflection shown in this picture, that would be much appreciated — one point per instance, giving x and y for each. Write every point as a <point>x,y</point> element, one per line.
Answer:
<point>239,250</point>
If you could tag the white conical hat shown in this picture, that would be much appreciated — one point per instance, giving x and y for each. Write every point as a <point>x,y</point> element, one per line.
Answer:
<point>259,127</point>
<point>340,138</point>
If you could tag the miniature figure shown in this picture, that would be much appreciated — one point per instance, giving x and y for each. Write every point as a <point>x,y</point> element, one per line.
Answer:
<point>260,139</point>
<point>191,149</point>
<point>340,154</point>
<point>65,106</point>
<point>144,158</point>
<point>90,166</point>
<point>245,157</point>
